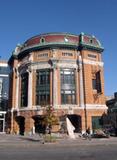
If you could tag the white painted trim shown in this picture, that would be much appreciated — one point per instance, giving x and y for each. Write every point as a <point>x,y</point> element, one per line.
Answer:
<point>4,75</point>
<point>86,61</point>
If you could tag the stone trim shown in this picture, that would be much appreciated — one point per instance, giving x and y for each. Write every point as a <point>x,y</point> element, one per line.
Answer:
<point>68,107</point>
<point>67,65</point>
<point>40,66</point>
<point>86,61</point>
<point>95,106</point>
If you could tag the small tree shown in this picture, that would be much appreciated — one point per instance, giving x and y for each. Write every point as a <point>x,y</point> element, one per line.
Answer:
<point>50,119</point>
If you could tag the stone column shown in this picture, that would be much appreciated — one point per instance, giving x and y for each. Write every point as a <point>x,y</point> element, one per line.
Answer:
<point>51,87</point>
<point>17,90</point>
<point>29,88</point>
<point>76,85</point>
<point>81,82</point>
<point>55,84</point>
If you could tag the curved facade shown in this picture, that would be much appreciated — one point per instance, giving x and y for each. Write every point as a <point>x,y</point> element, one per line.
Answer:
<point>61,70</point>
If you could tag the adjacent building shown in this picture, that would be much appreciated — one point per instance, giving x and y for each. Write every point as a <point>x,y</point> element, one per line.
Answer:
<point>112,111</point>
<point>4,92</point>
<point>64,71</point>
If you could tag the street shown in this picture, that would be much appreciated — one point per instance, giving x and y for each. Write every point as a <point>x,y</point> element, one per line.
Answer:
<point>15,148</point>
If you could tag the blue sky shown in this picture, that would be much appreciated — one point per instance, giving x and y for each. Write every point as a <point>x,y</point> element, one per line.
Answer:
<point>22,19</point>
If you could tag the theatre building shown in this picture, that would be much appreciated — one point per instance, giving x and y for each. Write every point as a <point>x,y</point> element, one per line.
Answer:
<point>64,71</point>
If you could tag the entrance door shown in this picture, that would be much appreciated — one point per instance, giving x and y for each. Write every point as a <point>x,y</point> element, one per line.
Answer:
<point>1,125</point>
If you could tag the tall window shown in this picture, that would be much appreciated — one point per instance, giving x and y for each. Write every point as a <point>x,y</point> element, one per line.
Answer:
<point>96,82</point>
<point>24,90</point>
<point>68,93</point>
<point>43,87</point>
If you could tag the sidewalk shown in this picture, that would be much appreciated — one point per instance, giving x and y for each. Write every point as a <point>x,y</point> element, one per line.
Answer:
<point>93,141</point>
<point>35,139</point>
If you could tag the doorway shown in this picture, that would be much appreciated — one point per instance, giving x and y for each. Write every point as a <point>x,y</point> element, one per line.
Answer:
<point>1,125</point>
<point>74,119</point>
<point>21,122</point>
<point>76,122</point>
<point>39,126</point>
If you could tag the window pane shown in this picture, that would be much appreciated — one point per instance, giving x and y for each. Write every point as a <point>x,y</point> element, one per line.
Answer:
<point>24,90</point>
<point>98,82</point>
<point>43,87</point>
<point>68,92</point>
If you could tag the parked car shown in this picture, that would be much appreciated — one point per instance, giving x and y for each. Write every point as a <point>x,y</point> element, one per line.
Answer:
<point>110,130</point>
<point>100,134</point>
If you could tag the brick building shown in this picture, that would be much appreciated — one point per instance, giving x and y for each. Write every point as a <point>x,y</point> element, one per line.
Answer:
<point>62,70</point>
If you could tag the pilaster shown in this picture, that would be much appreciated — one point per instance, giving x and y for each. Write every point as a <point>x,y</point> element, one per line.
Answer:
<point>81,82</point>
<point>30,88</point>
<point>55,80</point>
<point>17,90</point>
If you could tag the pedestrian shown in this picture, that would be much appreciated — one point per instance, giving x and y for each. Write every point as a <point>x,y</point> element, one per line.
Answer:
<point>88,135</point>
<point>88,130</point>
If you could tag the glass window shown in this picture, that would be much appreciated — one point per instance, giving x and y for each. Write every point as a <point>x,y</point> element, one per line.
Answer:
<point>68,93</point>
<point>4,70</point>
<point>43,87</point>
<point>4,91</point>
<point>96,83</point>
<point>96,122</point>
<point>68,98</point>
<point>24,90</point>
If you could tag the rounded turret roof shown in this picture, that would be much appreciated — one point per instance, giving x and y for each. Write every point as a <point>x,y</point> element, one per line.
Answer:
<point>63,40</point>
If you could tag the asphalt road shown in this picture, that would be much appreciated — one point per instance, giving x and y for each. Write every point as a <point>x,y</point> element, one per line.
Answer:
<point>16,149</point>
